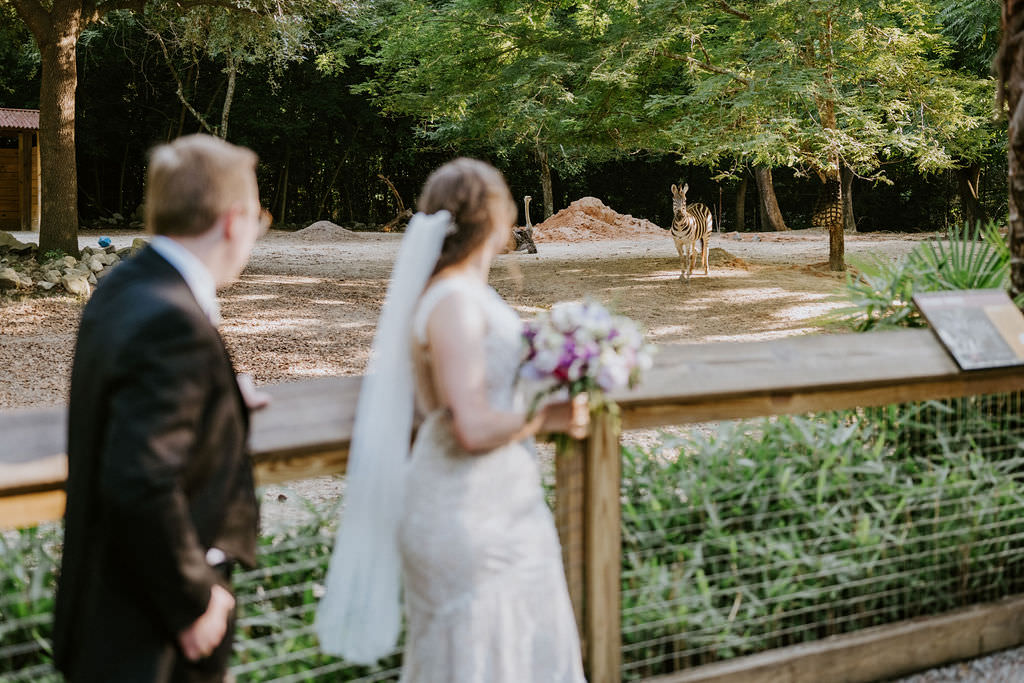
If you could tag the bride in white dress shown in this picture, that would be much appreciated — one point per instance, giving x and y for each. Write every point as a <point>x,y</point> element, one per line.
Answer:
<point>484,588</point>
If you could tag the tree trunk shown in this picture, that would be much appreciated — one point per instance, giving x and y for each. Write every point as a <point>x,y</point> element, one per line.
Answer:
<point>769,203</point>
<point>1010,64</point>
<point>973,212</point>
<point>741,203</point>
<point>232,70</point>
<point>849,220</point>
<point>761,217</point>
<point>836,247</point>
<point>545,182</point>
<point>284,186</point>
<point>58,223</point>
<point>328,189</point>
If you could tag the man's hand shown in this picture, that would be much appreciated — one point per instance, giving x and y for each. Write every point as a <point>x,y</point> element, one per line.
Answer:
<point>205,634</point>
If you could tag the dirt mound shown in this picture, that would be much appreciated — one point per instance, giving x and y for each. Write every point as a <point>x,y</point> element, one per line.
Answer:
<point>589,219</point>
<point>325,231</point>
<point>720,257</point>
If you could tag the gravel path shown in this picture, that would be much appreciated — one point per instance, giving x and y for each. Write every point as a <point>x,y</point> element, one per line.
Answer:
<point>1003,667</point>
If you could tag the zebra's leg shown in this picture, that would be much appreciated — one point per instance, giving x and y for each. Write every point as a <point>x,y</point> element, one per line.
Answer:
<point>693,258</point>
<point>682,261</point>
<point>704,253</point>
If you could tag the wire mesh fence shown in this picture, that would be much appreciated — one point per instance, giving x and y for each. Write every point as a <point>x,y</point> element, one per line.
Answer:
<point>276,606</point>
<point>767,533</point>
<point>738,538</point>
<point>276,602</point>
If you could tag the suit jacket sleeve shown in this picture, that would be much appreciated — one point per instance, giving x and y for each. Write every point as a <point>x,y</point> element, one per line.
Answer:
<point>157,405</point>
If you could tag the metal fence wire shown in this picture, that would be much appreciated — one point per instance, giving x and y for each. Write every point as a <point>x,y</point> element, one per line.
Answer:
<point>738,537</point>
<point>760,534</point>
<point>276,605</point>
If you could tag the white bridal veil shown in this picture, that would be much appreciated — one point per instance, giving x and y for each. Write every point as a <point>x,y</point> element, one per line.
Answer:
<point>360,615</point>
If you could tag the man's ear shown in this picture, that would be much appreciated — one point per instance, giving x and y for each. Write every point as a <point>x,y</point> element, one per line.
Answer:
<point>228,223</point>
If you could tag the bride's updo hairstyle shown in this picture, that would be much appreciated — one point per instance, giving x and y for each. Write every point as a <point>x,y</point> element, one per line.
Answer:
<point>473,192</point>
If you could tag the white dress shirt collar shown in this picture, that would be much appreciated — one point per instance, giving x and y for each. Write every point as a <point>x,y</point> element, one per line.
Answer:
<point>195,274</point>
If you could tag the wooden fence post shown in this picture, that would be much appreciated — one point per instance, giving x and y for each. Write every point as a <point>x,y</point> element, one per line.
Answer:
<point>570,486</point>
<point>603,546</point>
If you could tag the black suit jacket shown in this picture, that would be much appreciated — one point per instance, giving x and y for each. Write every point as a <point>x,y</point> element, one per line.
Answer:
<point>158,472</point>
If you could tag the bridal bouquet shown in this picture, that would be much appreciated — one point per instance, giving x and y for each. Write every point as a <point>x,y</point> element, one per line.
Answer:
<point>580,346</point>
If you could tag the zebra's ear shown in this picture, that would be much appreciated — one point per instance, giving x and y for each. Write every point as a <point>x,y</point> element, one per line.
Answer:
<point>675,190</point>
<point>685,188</point>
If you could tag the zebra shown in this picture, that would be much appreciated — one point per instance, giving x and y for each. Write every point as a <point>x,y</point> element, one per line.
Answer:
<point>689,224</point>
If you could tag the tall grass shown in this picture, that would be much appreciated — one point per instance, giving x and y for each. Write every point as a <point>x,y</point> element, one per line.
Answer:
<point>779,531</point>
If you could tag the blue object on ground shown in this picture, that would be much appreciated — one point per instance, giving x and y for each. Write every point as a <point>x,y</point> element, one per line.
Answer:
<point>104,242</point>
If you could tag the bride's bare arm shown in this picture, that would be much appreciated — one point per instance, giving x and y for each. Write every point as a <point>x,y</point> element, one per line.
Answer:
<point>455,335</point>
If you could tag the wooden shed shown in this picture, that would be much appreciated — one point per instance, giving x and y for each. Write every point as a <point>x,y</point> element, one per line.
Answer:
<point>20,198</point>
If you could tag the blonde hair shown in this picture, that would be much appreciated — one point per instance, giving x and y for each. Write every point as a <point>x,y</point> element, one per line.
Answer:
<point>192,181</point>
<point>471,191</point>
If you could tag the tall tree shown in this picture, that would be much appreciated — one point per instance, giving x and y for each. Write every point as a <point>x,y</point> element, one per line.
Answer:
<point>234,39</point>
<point>817,85</point>
<point>56,26</point>
<point>501,77</point>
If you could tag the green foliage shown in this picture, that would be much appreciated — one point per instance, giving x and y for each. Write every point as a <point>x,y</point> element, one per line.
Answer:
<point>973,25</point>
<point>19,60</point>
<point>810,84</point>
<point>28,564</point>
<point>521,77</point>
<point>881,295</point>
<point>53,255</point>
<point>277,605</point>
<point>772,532</point>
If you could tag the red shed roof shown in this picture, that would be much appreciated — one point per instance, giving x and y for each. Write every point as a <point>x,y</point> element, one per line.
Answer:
<point>19,119</point>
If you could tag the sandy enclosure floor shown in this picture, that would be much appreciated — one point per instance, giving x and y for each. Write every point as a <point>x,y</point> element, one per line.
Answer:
<point>305,309</point>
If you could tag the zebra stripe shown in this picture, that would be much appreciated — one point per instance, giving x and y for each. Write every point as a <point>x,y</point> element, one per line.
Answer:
<point>695,225</point>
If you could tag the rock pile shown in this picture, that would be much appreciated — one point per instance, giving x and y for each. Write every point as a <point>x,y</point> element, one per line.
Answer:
<point>590,219</point>
<point>22,272</point>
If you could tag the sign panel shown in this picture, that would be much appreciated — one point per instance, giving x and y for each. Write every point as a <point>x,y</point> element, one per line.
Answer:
<point>981,328</point>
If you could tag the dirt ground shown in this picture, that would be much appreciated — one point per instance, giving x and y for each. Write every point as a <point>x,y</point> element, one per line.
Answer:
<point>307,304</point>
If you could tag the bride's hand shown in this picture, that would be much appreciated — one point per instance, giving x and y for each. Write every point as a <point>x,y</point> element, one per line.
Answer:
<point>569,417</point>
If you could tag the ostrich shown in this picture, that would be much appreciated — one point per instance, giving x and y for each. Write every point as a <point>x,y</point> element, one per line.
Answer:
<point>524,237</point>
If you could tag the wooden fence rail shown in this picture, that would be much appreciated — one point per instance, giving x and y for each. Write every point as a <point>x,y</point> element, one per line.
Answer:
<point>307,429</point>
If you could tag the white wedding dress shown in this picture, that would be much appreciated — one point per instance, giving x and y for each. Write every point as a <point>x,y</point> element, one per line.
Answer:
<point>485,593</point>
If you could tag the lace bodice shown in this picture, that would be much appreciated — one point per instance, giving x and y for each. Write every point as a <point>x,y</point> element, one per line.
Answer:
<point>503,343</point>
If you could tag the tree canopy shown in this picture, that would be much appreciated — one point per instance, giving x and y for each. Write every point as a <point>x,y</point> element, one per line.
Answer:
<point>553,92</point>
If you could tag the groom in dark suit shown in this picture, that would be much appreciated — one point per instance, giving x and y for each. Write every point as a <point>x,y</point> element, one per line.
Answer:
<point>160,497</point>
